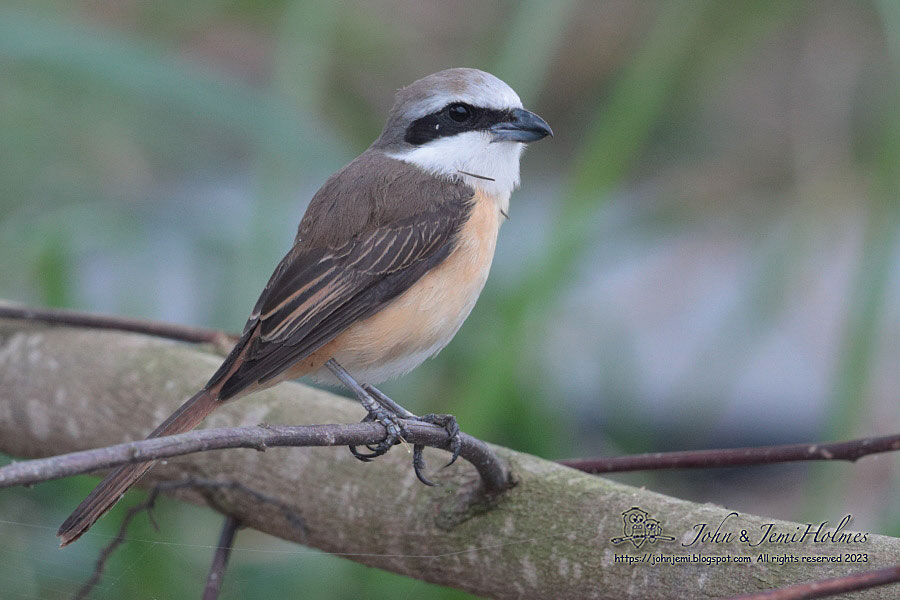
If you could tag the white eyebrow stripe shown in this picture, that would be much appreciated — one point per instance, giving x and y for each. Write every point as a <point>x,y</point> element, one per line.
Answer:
<point>487,93</point>
<point>439,101</point>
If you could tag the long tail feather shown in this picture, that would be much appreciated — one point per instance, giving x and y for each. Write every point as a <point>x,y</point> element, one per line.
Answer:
<point>111,489</point>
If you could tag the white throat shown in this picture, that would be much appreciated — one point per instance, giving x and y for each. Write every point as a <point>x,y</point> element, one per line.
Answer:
<point>490,167</point>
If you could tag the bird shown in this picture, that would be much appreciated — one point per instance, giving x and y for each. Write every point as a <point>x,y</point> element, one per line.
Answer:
<point>388,261</point>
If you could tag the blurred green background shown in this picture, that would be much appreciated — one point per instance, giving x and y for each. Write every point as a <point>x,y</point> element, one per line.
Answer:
<point>706,254</point>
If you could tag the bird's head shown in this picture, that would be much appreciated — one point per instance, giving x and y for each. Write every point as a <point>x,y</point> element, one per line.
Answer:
<point>463,124</point>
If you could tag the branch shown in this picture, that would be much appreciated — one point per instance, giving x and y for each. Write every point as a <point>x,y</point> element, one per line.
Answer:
<point>220,559</point>
<point>830,587</point>
<point>64,389</point>
<point>689,459</point>
<point>150,502</point>
<point>100,565</point>
<point>493,472</point>
<point>851,451</point>
<point>74,318</point>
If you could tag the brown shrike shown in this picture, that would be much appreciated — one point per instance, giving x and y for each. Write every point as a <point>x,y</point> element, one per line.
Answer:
<point>388,261</point>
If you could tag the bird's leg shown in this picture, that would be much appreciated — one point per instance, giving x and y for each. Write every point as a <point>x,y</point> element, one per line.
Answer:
<point>384,410</point>
<point>448,422</point>
<point>384,400</point>
<point>377,412</point>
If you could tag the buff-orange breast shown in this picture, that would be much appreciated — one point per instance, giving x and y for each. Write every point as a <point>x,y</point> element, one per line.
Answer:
<point>421,321</point>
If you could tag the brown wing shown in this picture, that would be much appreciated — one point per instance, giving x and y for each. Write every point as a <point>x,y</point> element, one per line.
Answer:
<point>316,293</point>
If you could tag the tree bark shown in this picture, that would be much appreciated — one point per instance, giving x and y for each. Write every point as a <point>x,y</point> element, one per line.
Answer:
<point>64,389</point>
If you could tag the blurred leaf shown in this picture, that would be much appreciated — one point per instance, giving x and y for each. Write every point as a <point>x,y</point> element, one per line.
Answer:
<point>53,272</point>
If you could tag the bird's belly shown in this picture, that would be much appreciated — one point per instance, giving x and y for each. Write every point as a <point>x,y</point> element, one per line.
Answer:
<point>420,322</point>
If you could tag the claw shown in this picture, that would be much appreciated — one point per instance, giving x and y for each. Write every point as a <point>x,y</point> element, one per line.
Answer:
<point>393,436</point>
<point>360,455</point>
<point>448,422</point>
<point>419,465</point>
<point>455,443</point>
<point>456,448</point>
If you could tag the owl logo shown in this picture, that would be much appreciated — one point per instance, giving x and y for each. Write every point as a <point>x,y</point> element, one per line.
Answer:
<point>640,528</point>
<point>653,529</point>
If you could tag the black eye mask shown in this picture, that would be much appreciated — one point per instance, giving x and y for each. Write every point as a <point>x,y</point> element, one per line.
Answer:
<point>453,119</point>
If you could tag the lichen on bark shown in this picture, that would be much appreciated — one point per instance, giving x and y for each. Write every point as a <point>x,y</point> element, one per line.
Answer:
<point>66,389</point>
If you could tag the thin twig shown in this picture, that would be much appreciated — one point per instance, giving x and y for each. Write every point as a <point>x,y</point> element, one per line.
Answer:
<point>493,472</point>
<point>851,451</point>
<point>829,587</point>
<point>485,177</point>
<point>117,541</point>
<point>220,559</point>
<point>147,505</point>
<point>183,333</point>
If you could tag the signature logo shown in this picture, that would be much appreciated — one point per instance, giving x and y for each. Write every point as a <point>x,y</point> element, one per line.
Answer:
<point>640,528</point>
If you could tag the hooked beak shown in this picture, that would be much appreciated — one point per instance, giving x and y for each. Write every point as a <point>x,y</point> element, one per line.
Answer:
<point>520,126</point>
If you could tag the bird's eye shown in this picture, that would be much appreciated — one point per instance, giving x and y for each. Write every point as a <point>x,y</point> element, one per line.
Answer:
<point>459,112</point>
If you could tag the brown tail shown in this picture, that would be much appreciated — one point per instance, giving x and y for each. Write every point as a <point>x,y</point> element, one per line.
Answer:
<point>111,489</point>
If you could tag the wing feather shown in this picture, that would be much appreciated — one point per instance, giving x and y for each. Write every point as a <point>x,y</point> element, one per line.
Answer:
<point>316,293</point>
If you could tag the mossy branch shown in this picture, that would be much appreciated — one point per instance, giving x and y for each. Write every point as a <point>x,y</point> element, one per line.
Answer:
<point>66,389</point>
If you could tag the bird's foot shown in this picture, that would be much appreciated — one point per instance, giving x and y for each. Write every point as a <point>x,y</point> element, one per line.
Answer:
<point>394,433</point>
<point>448,422</point>
<point>386,415</point>
<point>382,409</point>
